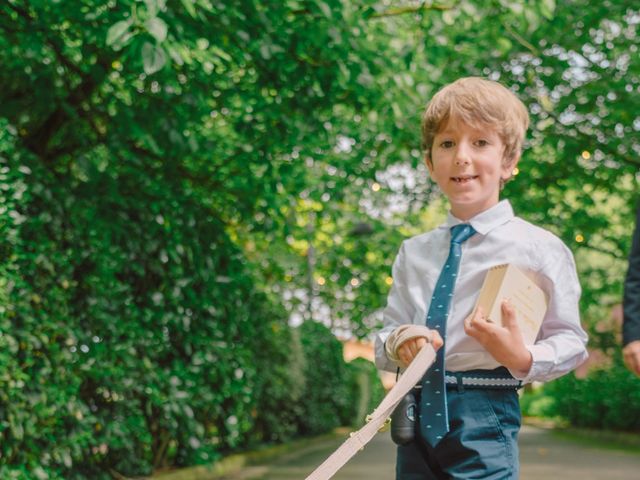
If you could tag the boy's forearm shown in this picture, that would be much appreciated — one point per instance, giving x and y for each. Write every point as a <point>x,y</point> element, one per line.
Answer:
<point>522,362</point>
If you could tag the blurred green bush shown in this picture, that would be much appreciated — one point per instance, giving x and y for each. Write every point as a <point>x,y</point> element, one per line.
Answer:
<point>336,393</point>
<point>608,398</point>
<point>327,401</point>
<point>366,391</point>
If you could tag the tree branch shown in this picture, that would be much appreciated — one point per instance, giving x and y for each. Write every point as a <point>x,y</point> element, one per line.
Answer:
<point>605,251</point>
<point>395,11</point>
<point>37,141</point>
<point>516,36</point>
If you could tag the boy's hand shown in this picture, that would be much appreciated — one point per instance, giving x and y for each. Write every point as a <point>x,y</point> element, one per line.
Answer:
<point>631,353</point>
<point>504,342</point>
<point>408,350</point>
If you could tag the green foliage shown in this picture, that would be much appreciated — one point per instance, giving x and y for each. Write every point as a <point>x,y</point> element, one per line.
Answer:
<point>281,385</point>
<point>128,365</point>
<point>366,392</point>
<point>607,398</point>
<point>327,401</point>
<point>178,178</point>
<point>537,403</point>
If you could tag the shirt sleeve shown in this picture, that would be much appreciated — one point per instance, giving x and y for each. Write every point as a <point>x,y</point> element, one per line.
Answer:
<point>631,303</point>
<point>561,343</point>
<point>398,311</point>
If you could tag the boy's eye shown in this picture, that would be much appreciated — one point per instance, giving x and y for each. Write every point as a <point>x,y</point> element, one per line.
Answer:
<point>446,144</point>
<point>482,143</point>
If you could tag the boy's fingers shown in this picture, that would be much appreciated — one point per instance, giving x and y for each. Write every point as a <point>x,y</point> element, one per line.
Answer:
<point>469,327</point>
<point>404,348</point>
<point>417,344</point>
<point>401,351</point>
<point>478,320</point>
<point>407,352</point>
<point>410,349</point>
<point>509,315</point>
<point>403,357</point>
<point>413,347</point>
<point>436,340</point>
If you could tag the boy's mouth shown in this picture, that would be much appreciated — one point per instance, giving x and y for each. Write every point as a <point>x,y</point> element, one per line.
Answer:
<point>464,178</point>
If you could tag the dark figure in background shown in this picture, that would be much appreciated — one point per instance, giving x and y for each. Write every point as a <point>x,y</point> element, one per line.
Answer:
<point>631,324</point>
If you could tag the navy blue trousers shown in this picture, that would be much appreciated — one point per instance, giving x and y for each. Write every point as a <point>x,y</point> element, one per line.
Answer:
<point>482,442</point>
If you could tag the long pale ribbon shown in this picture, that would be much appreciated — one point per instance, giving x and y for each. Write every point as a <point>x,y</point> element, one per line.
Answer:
<point>357,440</point>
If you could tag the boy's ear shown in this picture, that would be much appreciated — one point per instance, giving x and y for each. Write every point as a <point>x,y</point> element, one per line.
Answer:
<point>508,166</point>
<point>427,161</point>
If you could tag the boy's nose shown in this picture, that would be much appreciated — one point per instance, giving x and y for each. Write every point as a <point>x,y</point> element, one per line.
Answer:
<point>462,156</point>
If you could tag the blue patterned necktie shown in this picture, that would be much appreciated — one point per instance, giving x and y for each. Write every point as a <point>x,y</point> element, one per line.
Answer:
<point>434,418</point>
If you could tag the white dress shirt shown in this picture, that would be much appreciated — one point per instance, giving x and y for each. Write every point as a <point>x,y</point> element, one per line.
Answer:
<point>501,238</point>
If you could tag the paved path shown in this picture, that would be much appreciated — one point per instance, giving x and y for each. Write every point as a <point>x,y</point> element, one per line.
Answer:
<point>543,456</point>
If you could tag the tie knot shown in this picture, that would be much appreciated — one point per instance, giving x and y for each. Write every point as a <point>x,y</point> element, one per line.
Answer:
<point>461,233</point>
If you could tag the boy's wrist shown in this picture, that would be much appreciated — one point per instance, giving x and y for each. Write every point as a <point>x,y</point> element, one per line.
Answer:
<point>522,363</point>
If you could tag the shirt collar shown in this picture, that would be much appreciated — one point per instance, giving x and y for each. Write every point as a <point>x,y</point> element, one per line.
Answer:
<point>485,221</point>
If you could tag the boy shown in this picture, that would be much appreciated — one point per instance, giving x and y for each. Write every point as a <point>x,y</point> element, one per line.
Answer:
<point>468,410</point>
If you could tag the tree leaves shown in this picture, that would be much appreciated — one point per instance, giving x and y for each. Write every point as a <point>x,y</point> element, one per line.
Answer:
<point>547,8</point>
<point>153,57</point>
<point>198,167</point>
<point>189,5</point>
<point>157,28</point>
<point>119,33</point>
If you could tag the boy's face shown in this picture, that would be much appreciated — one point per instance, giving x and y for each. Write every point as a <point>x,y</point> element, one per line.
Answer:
<point>468,163</point>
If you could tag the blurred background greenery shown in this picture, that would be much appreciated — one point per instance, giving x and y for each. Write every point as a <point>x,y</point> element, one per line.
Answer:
<point>197,197</point>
